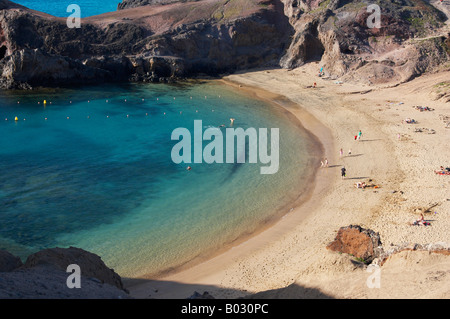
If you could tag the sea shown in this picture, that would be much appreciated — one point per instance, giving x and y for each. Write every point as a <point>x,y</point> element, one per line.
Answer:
<point>58,8</point>
<point>92,167</point>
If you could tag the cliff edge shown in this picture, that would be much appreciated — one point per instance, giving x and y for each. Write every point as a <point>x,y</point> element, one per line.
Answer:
<point>165,40</point>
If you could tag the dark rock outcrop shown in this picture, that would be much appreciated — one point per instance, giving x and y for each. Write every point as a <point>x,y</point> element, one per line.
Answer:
<point>357,241</point>
<point>169,42</point>
<point>44,276</point>
<point>197,295</point>
<point>90,264</point>
<point>9,262</point>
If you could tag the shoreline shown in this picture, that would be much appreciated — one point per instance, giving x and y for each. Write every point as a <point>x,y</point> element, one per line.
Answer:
<point>290,259</point>
<point>274,228</point>
<point>303,195</point>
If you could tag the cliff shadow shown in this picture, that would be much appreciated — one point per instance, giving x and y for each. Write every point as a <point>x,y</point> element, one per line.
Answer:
<point>160,289</point>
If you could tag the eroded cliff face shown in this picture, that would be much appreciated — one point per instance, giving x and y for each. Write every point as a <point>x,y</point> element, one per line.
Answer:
<point>45,274</point>
<point>159,43</point>
<point>163,40</point>
<point>337,34</point>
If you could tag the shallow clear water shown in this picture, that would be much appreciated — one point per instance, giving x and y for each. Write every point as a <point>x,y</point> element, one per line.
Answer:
<point>93,169</point>
<point>58,8</point>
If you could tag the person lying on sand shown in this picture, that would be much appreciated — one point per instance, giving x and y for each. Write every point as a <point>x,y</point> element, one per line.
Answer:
<point>443,171</point>
<point>360,185</point>
<point>423,108</point>
<point>364,185</point>
<point>410,121</point>
<point>420,222</point>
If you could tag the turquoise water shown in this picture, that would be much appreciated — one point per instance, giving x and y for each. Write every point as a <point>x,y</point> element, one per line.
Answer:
<point>92,169</point>
<point>58,8</point>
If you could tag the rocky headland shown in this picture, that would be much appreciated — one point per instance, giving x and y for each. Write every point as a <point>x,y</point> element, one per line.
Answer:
<point>166,40</point>
<point>44,276</point>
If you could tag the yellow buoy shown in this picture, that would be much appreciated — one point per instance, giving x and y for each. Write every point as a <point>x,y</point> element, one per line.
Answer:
<point>45,101</point>
<point>16,118</point>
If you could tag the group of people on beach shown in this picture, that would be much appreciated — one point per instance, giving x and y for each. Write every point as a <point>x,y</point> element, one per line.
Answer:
<point>443,171</point>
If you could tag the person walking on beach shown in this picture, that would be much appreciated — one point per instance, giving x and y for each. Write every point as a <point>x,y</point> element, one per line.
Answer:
<point>343,172</point>
<point>341,152</point>
<point>359,134</point>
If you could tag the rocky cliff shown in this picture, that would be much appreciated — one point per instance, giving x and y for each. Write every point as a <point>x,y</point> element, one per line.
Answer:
<point>163,40</point>
<point>44,276</point>
<point>411,39</point>
<point>152,43</point>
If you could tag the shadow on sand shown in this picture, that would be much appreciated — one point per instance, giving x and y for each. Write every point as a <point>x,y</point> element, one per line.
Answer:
<point>356,155</point>
<point>159,289</point>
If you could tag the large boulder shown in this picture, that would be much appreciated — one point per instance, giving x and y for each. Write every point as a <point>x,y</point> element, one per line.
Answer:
<point>9,262</point>
<point>91,265</point>
<point>357,241</point>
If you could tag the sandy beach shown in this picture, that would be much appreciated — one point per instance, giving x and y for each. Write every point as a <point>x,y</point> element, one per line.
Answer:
<point>290,259</point>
